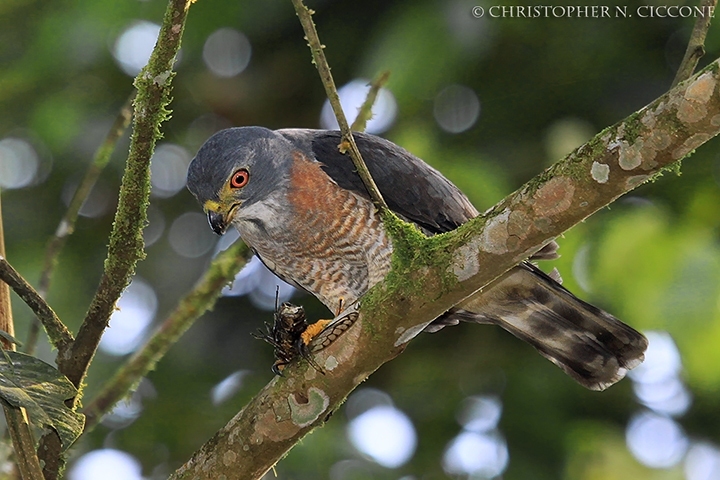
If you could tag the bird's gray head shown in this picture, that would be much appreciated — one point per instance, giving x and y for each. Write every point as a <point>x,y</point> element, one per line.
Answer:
<point>235,168</point>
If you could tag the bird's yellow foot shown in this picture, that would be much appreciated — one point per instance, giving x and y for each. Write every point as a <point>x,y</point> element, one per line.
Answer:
<point>313,331</point>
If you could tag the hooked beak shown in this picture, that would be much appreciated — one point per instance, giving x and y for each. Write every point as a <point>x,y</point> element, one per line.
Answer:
<point>217,222</point>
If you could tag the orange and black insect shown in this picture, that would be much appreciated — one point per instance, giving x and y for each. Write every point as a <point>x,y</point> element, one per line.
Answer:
<point>292,336</point>
<point>285,335</point>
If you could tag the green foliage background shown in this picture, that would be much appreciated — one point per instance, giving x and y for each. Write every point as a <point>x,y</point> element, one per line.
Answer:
<point>652,259</point>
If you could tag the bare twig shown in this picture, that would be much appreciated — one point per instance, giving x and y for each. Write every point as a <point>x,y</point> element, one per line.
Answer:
<point>365,111</point>
<point>696,45</point>
<point>67,224</point>
<point>455,266</point>
<point>60,336</point>
<point>311,35</point>
<point>16,417</point>
<point>191,307</point>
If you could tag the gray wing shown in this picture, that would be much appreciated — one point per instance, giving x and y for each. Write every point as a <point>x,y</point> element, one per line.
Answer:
<point>412,188</point>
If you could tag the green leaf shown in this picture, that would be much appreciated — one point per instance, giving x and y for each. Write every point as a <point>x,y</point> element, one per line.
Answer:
<point>42,390</point>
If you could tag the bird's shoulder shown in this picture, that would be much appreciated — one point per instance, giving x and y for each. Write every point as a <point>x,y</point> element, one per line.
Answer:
<point>412,188</point>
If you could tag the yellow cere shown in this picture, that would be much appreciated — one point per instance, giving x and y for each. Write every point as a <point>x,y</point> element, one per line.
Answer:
<point>226,200</point>
<point>212,206</point>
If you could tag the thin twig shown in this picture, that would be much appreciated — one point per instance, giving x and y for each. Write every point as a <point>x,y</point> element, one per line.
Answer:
<point>16,417</point>
<point>202,298</point>
<point>365,111</point>
<point>696,45</point>
<point>311,35</point>
<point>67,224</point>
<point>59,335</point>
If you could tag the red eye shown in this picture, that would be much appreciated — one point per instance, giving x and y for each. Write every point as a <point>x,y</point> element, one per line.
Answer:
<point>240,178</point>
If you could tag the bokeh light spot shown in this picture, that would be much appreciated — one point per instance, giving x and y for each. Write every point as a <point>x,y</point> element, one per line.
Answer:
<point>702,462</point>
<point>662,359</point>
<point>134,45</point>
<point>155,227</point>
<point>669,396</point>
<point>483,455</point>
<point>656,382</point>
<point>227,52</point>
<point>226,388</point>
<point>168,167</point>
<point>135,310</point>
<point>351,469</point>
<point>19,163</point>
<point>456,108</point>
<point>190,235</point>
<point>129,409</point>
<point>352,96</point>
<point>655,440</point>
<point>385,434</point>
<point>97,202</point>
<point>106,464</point>
<point>364,399</point>
<point>480,413</point>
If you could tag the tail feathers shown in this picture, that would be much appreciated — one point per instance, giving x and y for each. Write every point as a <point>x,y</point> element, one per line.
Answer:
<point>590,345</point>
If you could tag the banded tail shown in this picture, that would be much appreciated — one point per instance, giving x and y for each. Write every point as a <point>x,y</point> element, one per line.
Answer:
<point>590,345</point>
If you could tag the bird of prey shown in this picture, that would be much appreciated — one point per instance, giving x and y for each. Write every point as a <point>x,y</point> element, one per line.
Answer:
<point>297,201</point>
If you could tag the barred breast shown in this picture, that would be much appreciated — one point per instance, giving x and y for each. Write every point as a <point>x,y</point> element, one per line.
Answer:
<point>330,241</point>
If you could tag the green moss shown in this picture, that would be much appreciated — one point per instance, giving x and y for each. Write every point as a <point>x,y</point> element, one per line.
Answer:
<point>673,168</point>
<point>632,127</point>
<point>413,255</point>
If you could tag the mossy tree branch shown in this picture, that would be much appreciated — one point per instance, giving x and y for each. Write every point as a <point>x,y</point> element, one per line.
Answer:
<point>190,308</point>
<point>454,266</point>
<point>126,246</point>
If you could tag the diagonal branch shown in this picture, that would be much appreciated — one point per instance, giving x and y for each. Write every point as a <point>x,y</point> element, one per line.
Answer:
<point>365,111</point>
<point>67,224</point>
<point>311,35</point>
<point>454,266</point>
<point>60,336</point>
<point>202,298</point>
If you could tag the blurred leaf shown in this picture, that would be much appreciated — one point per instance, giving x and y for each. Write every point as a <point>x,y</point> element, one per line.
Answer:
<point>33,384</point>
